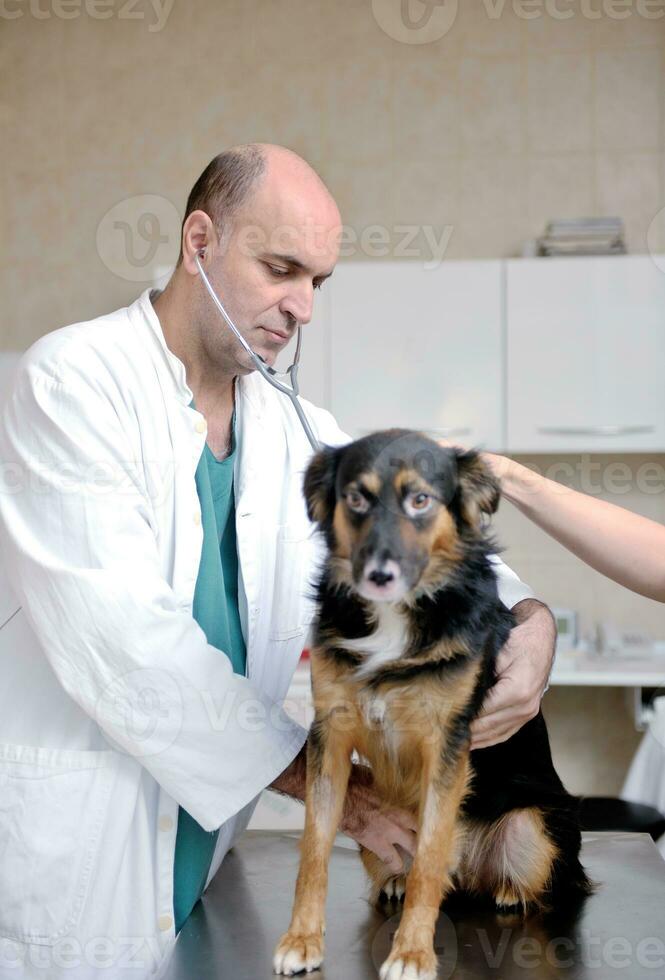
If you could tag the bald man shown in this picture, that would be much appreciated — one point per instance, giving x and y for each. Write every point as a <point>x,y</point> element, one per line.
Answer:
<point>158,555</point>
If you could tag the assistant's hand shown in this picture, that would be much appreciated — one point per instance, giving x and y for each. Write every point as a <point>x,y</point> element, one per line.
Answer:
<point>382,830</point>
<point>523,667</point>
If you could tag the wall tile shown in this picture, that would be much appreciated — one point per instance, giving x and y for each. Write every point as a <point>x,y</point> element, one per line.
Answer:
<point>560,186</point>
<point>559,103</point>
<point>492,205</point>
<point>631,27</point>
<point>559,33</point>
<point>493,117</point>
<point>628,101</point>
<point>426,102</point>
<point>628,184</point>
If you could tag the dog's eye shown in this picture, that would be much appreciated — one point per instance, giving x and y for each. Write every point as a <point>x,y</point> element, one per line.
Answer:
<point>356,502</point>
<point>417,503</point>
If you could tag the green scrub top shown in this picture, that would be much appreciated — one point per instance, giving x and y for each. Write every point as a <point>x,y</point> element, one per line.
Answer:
<point>216,611</point>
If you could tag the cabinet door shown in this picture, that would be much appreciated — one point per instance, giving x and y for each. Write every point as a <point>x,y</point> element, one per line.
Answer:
<point>586,355</point>
<point>418,348</point>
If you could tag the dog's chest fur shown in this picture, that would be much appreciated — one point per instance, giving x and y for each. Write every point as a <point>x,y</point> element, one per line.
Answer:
<point>388,641</point>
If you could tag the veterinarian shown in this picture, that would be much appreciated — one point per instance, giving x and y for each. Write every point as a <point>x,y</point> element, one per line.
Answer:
<point>157,555</point>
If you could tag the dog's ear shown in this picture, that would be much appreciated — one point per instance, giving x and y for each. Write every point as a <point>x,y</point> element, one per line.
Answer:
<point>319,485</point>
<point>479,491</point>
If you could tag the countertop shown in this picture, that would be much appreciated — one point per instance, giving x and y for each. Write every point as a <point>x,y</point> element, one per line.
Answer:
<point>620,930</point>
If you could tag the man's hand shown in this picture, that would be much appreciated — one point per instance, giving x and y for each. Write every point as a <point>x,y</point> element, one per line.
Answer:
<point>385,832</point>
<point>523,667</point>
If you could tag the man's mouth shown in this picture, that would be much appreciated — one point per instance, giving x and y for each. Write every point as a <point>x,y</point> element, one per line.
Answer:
<point>275,336</point>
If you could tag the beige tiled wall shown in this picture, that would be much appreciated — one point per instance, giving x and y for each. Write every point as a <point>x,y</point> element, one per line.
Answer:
<point>500,124</point>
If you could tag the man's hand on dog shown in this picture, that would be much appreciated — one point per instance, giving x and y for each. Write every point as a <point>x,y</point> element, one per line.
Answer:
<point>383,831</point>
<point>523,667</point>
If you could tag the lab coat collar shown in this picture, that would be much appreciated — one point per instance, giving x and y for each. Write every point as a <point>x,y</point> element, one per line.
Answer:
<point>249,387</point>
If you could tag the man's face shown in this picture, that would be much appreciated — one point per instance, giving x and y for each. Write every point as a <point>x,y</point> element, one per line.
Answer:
<point>281,247</point>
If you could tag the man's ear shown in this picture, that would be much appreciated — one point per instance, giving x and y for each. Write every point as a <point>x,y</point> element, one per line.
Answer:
<point>479,491</point>
<point>319,485</point>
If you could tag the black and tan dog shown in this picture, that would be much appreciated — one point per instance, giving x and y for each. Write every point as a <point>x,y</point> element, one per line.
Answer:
<point>408,629</point>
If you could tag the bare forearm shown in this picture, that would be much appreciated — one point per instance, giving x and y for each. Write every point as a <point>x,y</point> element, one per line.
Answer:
<point>293,781</point>
<point>626,547</point>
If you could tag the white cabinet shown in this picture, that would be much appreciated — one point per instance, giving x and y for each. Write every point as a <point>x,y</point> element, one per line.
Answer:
<point>586,355</point>
<point>417,348</point>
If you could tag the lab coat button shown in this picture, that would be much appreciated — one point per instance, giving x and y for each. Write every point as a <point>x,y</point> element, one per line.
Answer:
<point>200,426</point>
<point>165,823</point>
<point>165,922</point>
<point>197,518</point>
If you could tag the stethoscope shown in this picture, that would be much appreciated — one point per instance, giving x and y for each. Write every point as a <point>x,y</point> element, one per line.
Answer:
<point>268,373</point>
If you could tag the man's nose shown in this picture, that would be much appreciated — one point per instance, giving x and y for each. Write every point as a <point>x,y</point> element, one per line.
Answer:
<point>298,304</point>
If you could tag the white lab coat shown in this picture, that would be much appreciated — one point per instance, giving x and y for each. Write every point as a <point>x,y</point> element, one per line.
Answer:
<point>113,707</point>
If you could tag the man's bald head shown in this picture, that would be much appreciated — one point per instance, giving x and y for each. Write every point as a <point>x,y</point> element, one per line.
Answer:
<point>234,177</point>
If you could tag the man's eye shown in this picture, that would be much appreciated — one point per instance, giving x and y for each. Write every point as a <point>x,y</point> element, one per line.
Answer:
<point>356,502</point>
<point>278,272</point>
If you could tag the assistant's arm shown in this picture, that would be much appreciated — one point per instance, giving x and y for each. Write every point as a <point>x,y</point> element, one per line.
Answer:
<point>626,547</point>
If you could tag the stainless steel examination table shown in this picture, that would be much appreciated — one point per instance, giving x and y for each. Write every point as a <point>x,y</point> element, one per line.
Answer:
<point>618,932</point>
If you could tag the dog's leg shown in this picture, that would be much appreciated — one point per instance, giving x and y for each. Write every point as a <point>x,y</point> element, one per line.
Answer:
<point>328,769</point>
<point>511,859</point>
<point>412,955</point>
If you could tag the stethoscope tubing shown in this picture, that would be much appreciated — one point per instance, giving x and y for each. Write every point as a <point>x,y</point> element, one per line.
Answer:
<point>267,372</point>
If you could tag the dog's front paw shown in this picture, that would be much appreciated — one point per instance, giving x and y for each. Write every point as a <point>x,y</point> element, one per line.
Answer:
<point>409,965</point>
<point>298,954</point>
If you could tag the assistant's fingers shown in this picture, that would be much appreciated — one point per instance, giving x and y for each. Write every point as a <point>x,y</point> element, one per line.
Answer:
<point>406,820</point>
<point>406,840</point>
<point>391,859</point>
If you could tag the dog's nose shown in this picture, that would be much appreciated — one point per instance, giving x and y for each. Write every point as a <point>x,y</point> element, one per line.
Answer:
<point>382,581</point>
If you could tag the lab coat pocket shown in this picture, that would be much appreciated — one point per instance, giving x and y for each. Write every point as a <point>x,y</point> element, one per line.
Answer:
<point>53,803</point>
<point>289,614</point>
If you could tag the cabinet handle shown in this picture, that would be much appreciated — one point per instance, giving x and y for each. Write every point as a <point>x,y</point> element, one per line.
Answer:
<point>595,430</point>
